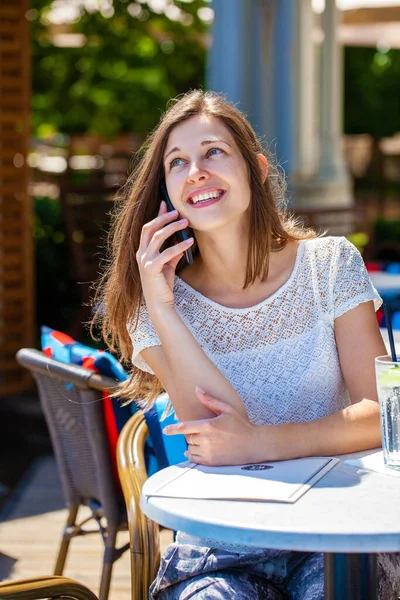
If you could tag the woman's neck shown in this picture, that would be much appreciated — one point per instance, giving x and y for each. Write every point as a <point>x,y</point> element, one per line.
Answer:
<point>221,262</point>
<point>218,273</point>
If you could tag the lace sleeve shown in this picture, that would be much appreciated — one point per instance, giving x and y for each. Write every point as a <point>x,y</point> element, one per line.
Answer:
<point>351,283</point>
<point>143,335</point>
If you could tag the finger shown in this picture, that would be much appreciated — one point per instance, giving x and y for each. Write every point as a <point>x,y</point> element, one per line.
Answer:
<point>160,236</point>
<point>194,458</point>
<point>163,208</point>
<point>151,227</point>
<point>174,262</point>
<point>186,427</point>
<point>170,253</point>
<point>217,406</point>
<point>191,440</point>
<point>157,264</point>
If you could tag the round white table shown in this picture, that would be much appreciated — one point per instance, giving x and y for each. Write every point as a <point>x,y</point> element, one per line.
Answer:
<point>349,515</point>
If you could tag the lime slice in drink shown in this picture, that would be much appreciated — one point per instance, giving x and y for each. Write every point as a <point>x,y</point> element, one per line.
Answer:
<point>390,378</point>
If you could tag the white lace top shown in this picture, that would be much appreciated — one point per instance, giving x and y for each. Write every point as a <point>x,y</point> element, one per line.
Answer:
<point>280,355</point>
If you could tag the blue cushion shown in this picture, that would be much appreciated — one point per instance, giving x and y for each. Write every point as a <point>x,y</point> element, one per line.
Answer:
<point>175,445</point>
<point>393,268</point>
<point>161,450</point>
<point>62,347</point>
<point>396,320</point>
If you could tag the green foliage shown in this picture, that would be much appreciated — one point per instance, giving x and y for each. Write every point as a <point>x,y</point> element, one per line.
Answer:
<point>57,300</point>
<point>123,76</point>
<point>372,91</point>
<point>387,231</point>
<point>359,239</point>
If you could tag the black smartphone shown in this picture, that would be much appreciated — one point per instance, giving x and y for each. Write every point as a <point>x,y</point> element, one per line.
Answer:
<point>182,234</point>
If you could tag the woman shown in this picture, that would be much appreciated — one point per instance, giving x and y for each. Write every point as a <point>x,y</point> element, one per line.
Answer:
<point>265,344</point>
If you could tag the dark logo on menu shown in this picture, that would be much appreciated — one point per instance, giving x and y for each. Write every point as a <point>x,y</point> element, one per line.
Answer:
<point>256,467</point>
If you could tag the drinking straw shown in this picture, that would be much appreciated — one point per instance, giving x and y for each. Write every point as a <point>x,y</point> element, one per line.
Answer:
<point>389,328</point>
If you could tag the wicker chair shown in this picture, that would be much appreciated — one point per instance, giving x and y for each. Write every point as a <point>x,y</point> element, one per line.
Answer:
<point>143,533</point>
<point>70,398</point>
<point>41,588</point>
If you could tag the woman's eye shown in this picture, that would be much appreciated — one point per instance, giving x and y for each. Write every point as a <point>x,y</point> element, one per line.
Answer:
<point>212,151</point>
<point>174,162</point>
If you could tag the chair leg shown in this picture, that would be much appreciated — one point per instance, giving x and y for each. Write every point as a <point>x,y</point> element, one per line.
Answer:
<point>63,551</point>
<point>108,563</point>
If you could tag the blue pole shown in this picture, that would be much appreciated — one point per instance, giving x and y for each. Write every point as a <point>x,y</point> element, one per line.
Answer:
<point>281,96</point>
<point>251,61</point>
<point>231,58</point>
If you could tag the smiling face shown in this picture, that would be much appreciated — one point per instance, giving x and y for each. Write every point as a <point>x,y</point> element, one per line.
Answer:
<point>206,175</point>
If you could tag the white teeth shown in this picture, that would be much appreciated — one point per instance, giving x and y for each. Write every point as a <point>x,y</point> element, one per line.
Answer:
<point>204,197</point>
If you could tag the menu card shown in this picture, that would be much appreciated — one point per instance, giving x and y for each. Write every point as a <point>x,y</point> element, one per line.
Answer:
<point>283,481</point>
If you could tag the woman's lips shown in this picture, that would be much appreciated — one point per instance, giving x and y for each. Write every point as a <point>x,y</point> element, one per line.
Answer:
<point>204,203</point>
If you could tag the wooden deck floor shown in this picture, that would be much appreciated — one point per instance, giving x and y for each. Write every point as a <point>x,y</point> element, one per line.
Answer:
<point>31,532</point>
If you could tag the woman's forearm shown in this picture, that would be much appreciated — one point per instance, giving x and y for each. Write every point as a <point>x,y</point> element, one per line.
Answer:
<point>353,429</point>
<point>190,367</point>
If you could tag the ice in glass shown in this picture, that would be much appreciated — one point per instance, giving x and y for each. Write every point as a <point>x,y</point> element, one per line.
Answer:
<point>388,385</point>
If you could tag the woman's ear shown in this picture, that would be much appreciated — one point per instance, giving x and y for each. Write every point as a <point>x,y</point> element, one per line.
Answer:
<point>263,162</point>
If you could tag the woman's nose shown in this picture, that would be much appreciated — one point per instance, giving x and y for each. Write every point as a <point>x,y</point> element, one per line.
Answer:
<point>197,172</point>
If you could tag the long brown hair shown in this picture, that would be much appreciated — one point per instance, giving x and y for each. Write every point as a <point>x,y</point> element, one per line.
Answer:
<point>119,292</point>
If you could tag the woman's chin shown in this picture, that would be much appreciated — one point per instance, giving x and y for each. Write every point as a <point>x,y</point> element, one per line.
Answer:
<point>213,225</point>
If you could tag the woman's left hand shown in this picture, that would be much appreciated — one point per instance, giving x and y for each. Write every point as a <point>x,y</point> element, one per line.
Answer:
<point>227,439</point>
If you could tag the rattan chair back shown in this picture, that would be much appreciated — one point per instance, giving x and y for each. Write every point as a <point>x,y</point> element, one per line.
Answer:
<point>143,532</point>
<point>45,588</point>
<point>71,399</point>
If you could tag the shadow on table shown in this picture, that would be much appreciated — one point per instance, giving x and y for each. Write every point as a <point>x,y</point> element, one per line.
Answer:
<point>6,565</point>
<point>345,477</point>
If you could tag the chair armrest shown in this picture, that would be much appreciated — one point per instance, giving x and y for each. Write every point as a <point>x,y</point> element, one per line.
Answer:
<point>39,588</point>
<point>37,362</point>
<point>143,533</point>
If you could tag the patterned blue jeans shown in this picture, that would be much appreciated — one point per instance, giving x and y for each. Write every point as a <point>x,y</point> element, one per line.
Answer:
<point>199,573</point>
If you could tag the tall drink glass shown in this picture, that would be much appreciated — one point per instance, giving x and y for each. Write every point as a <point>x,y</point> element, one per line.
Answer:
<point>388,385</point>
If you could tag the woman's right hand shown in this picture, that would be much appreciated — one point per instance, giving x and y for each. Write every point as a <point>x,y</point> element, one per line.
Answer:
<point>157,270</point>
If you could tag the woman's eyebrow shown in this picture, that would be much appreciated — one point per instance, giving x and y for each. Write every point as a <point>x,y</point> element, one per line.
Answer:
<point>203,143</point>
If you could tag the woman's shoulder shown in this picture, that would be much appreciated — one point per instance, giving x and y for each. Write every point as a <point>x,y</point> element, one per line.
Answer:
<point>326,242</point>
<point>329,247</point>
<point>330,257</point>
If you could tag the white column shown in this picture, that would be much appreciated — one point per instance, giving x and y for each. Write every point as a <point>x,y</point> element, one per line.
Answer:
<point>305,94</point>
<point>330,187</point>
<point>332,166</point>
